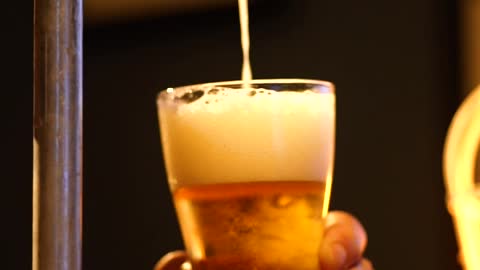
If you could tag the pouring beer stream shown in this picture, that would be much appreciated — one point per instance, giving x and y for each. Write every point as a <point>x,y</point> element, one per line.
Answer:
<point>245,36</point>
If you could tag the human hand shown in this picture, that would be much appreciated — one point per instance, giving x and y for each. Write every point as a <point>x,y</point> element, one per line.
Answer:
<point>344,242</point>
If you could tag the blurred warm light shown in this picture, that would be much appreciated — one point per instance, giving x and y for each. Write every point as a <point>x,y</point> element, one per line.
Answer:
<point>463,195</point>
<point>101,11</point>
<point>463,141</point>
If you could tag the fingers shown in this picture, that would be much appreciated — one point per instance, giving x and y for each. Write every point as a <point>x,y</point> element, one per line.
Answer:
<point>364,264</point>
<point>344,242</point>
<point>171,261</point>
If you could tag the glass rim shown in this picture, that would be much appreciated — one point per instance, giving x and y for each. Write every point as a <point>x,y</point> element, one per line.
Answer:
<point>286,81</point>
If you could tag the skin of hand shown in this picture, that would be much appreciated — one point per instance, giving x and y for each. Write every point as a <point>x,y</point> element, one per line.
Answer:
<point>343,246</point>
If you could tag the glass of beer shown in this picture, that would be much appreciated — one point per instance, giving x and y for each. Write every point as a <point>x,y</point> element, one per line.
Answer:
<point>249,166</point>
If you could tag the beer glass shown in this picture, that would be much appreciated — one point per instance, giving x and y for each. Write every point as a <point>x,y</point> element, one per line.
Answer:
<point>463,192</point>
<point>249,165</point>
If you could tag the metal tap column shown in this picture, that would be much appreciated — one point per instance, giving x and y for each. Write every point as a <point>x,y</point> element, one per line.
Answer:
<point>57,177</point>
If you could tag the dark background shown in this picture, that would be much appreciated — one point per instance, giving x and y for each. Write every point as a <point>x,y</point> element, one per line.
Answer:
<point>395,65</point>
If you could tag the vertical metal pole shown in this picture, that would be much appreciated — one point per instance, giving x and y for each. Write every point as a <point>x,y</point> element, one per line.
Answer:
<point>57,179</point>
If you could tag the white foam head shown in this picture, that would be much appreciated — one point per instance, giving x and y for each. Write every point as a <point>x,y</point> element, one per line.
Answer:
<point>245,135</point>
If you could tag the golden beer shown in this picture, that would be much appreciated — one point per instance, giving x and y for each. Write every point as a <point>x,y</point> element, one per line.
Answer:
<point>256,225</point>
<point>249,167</point>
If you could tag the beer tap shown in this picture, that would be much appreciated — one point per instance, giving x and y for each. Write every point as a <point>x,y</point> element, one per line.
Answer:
<point>57,135</point>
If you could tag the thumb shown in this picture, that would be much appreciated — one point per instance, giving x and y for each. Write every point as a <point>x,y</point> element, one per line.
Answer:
<point>344,241</point>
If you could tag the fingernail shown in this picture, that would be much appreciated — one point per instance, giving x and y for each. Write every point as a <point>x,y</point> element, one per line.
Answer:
<point>339,255</point>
